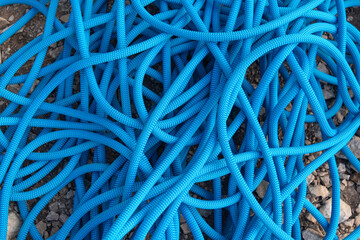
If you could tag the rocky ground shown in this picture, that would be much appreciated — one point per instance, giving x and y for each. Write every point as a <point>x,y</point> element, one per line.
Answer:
<point>319,190</point>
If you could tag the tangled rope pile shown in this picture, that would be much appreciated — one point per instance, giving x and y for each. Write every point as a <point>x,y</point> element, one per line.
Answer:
<point>166,121</point>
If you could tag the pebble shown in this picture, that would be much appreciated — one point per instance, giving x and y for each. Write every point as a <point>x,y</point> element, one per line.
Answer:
<point>354,145</point>
<point>14,225</point>
<point>349,223</point>
<point>182,219</point>
<point>204,212</point>
<point>311,218</point>
<point>65,18</point>
<point>54,230</point>
<point>185,228</point>
<point>340,116</point>
<point>63,218</point>
<point>54,206</point>
<point>319,191</point>
<point>321,67</point>
<point>41,227</point>
<point>11,18</point>
<point>344,176</point>
<point>328,93</point>
<point>326,180</point>
<point>358,209</point>
<point>345,210</point>
<point>261,189</point>
<point>69,194</point>
<point>3,23</point>
<point>311,234</point>
<point>310,178</point>
<point>52,216</point>
<point>341,168</point>
<point>357,220</point>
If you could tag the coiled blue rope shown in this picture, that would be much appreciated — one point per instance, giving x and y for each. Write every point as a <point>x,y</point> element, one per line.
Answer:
<point>165,91</point>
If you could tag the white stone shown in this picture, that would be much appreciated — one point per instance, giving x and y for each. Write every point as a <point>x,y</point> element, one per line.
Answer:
<point>319,191</point>
<point>345,210</point>
<point>311,218</point>
<point>310,178</point>
<point>349,223</point>
<point>14,225</point>
<point>357,220</point>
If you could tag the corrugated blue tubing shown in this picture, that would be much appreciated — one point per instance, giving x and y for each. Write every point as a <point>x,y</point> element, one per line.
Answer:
<point>155,104</point>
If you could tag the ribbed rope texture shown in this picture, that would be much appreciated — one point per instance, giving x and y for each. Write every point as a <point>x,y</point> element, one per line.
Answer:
<point>153,112</point>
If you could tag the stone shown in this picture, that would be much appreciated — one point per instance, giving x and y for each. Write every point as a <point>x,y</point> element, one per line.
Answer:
<point>310,178</point>
<point>63,218</point>
<point>328,94</point>
<point>261,189</point>
<point>354,145</point>
<point>65,18</point>
<point>345,210</point>
<point>3,23</point>
<point>13,226</point>
<point>358,209</point>
<point>349,223</point>
<point>52,216</point>
<point>11,18</point>
<point>46,235</point>
<point>54,230</point>
<point>317,131</point>
<point>357,220</point>
<point>311,234</point>
<point>319,191</point>
<point>204,212</point>
<point>41,227</point>
<point>311,218</point>
<point>321,67</point>
<point>54,206</point>
<point>341,168</point>
<point>344,176</point>
<point>340,116</point>
<point>185,228</point>
<point>326,180</point>
<point>69,194</point>
<point>182,219</point>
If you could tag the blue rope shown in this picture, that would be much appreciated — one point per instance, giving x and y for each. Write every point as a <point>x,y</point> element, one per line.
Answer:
<point>167,94</point>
